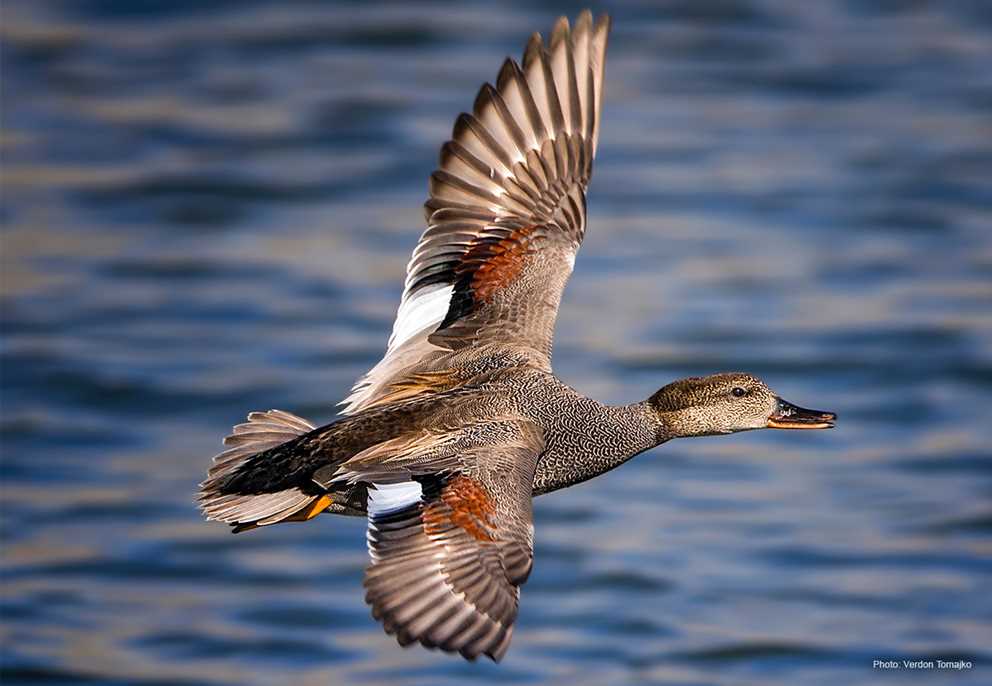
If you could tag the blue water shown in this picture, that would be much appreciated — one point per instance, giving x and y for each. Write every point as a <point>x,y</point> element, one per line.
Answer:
<point>207,209</point>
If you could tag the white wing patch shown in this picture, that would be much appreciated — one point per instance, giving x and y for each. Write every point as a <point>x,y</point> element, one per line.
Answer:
<point>384,499</point>
<point>425,308</point>
<point>387,498</point>
<point>417,317</point>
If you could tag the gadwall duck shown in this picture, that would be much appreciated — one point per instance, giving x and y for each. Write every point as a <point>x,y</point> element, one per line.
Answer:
<point>447,439</point>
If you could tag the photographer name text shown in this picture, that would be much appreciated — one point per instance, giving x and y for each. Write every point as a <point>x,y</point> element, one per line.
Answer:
<point>921,664</point>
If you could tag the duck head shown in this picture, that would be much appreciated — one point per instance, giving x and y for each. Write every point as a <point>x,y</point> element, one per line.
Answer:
<point>726,403</point>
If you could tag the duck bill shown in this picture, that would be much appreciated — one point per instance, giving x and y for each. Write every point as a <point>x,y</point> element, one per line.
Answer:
<point>789,416</point>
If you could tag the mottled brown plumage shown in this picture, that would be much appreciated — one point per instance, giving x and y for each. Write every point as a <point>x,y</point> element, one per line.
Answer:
<point>447,439</point>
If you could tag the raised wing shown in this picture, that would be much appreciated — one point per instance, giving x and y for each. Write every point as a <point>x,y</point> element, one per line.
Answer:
<point>506,213</point>
<point>450,535</point>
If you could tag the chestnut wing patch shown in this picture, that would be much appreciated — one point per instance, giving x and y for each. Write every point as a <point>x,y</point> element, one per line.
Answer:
<point>462,503</point>
<point>490,265</point>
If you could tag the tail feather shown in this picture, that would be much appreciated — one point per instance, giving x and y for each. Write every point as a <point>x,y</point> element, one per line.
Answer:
<point>262,431</point>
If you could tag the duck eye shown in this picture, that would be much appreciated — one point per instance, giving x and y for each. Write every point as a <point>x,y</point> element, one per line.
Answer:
<point>737,392</point>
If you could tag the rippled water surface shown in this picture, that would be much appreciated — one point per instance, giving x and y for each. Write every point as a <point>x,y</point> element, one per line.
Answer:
<point>208,211</point>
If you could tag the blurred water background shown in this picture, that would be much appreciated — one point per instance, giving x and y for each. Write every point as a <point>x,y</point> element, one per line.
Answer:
<point>208,207</point>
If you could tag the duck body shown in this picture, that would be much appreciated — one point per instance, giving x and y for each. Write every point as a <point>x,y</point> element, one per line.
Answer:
<point>445,441</point>
<point>581,437</point>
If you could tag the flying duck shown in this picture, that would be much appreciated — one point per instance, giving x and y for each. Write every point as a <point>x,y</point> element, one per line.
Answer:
<point>445,442</point>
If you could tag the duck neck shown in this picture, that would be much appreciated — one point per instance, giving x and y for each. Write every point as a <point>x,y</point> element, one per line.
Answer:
<point>595,439</point>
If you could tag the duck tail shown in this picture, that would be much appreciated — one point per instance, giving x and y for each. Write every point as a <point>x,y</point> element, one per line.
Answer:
<point>239,489</point>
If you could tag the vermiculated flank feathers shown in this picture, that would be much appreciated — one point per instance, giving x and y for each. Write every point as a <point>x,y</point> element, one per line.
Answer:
<point>506,212</point>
